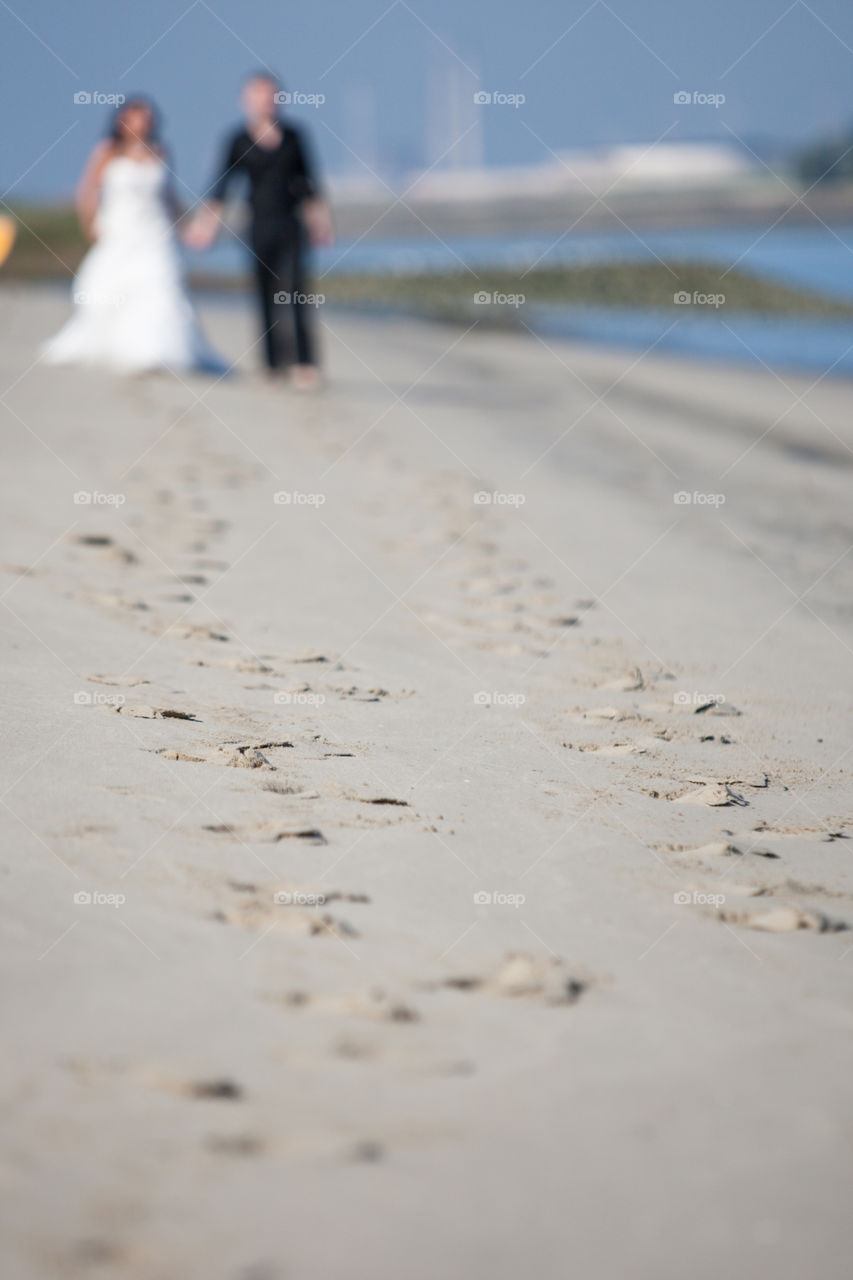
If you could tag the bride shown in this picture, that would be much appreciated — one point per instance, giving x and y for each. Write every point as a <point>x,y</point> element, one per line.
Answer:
<point>131,310</point>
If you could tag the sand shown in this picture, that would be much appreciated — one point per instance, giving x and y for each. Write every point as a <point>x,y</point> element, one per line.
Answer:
<point>404,885</point>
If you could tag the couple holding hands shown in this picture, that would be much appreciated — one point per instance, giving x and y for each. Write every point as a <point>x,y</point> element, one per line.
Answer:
<point>132,311</point>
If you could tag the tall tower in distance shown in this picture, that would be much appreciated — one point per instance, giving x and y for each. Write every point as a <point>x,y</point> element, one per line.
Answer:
<point>362,136</point>
<point>454,122</point>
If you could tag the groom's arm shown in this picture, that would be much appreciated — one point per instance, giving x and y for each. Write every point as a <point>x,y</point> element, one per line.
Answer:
<point>207,223</point>
<point>306,188</point>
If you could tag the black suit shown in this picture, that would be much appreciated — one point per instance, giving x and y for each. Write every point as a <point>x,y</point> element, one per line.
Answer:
<point>280,178</point>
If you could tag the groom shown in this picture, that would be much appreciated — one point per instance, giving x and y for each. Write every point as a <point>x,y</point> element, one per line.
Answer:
<point>287,209</point>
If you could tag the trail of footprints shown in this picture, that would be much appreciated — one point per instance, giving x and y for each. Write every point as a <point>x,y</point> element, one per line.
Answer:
<point>496,605</point>
<point>498,608</point>
<point>644,730</point>
<point>493,604</point>
<point>245,904</point>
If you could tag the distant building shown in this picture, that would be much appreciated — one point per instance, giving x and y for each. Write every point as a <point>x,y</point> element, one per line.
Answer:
<point>667,165</point>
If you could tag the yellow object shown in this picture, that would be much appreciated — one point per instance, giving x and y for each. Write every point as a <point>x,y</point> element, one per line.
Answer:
<point>7,238</point>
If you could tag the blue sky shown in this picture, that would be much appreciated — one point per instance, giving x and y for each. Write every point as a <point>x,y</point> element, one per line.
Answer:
<point>397,75</point>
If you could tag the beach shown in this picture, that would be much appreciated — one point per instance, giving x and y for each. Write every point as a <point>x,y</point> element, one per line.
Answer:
<point>426,812</point>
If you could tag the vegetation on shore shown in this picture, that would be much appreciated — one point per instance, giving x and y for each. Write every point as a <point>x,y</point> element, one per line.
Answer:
<point>49,243</point>
<point>50,246</point>
<point>627,284</point>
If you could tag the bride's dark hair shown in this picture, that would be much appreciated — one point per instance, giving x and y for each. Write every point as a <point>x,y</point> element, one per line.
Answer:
<point>114,132</point>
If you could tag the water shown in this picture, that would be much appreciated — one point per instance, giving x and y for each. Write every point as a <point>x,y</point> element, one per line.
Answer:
<point>818,258</point>
<point>780,342</point>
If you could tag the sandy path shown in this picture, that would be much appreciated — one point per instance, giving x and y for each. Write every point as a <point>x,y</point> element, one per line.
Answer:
<point>203,1080</point>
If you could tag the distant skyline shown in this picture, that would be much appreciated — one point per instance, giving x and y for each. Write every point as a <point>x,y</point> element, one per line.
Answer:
<point>399,77</point>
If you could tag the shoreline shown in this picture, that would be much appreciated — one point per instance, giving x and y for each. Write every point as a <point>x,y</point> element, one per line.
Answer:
<point>764,340</point>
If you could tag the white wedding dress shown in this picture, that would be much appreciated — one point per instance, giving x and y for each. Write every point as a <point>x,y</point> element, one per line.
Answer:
<point>131,310</point>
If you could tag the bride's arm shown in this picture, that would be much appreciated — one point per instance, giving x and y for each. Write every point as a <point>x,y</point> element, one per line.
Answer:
<point>89,188</point>
<point>174,206</point>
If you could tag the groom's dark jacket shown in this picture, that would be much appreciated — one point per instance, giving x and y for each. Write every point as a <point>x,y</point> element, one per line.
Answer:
<point>279,179</point>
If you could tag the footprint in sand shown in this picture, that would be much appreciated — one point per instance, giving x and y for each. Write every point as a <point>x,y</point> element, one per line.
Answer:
<point>104,543</point>
<point>23,570</point>
<point>707,709</point>
<point>204,1088</point>
<point>718,794</point>
<point>295,791</point>
<point>522,974</point>
<point>384,800</point>
<point>111,599</point>
<point>783,919</point>
<point>223,1090</point>
<point>268,832</point>
<point>373,1003</point>
<point>234,1144</point>
<point>234,755</point>
<point>603,713</point>
<point>285,909</point>
<point>121,681</point>
<point>191,631</point>
<point>142,712</point>
<point>715,849</point>
<point>247,665</point>
<point>615,749</point>
<point>720,791</point>
<point>630,682</point>
<point>355,694</point>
